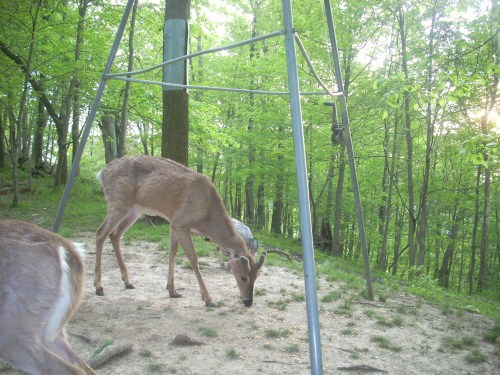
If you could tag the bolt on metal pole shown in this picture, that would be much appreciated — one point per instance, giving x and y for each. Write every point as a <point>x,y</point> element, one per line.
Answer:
<point>91,116</point>
<point>303,194</point>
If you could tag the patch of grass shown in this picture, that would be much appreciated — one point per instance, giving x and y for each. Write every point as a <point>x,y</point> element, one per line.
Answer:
<point>260,291</point>
<point>348,331</point>
<point>370,313</point>
<point>446,310</point>
<point>356,353</point>
<point>209,332</point>
<point>382,298</point>
<point>155,367</point>
<point>298,297</point>
<point>385,343</point>
<point>475,357</point>
<point>280,305</point>
<point>268,346</point>
<point>232,353</point>
<point>493,334</point>
<point>277,333</point>
<point>345,309</point>
<point>145,353</point>
<point>253,325</point>
<point>458,343</point>
<point>332,296</point>
<point>394,322</point>
<point>292,348</point>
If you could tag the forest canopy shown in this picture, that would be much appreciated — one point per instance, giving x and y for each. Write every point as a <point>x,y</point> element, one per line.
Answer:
<point>421,81</point>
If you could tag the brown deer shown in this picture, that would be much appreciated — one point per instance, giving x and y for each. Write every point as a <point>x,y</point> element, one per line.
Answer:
<point>189,201</point>
<point>41,287</point>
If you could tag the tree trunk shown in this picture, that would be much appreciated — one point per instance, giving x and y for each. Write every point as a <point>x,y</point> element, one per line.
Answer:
<point>122,128</point>
<point>41,124</point>
<point>422,226</point>
<point>108,130</point>
<point>237,201</point>
<point>337,246</point>
<point>398,226</point>
<point>444,271</point>
<point>2,136</point>
<point>495,51</point>
<point>409,145</point>
<point>175,124</point>
<point>75,128</point>
<point>277,217</point>
<point>261,206</point>
<point>473,254</point>
<point>382,261</point>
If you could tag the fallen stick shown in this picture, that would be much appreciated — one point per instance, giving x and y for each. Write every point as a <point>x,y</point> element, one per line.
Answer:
<point>97,360</point>
<point>362,368</point>
<point>280,252</point>
<point>85,339</point>
<point>185,340</point>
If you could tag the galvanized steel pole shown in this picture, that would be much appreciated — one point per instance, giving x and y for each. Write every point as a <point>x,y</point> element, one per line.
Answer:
<point>303,194</point>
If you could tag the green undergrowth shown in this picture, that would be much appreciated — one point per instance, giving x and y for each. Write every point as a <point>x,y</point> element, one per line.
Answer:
<point>86,209</point>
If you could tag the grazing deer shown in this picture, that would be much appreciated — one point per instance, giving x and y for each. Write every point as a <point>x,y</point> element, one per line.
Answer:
<point>41,287</point>
<point>188,200</point>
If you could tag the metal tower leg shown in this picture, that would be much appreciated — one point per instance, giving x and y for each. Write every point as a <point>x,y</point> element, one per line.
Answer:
<point>303,194</point>
<point>346,134</point>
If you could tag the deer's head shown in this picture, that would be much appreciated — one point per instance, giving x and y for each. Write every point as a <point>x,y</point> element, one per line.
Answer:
<point>246,270</point>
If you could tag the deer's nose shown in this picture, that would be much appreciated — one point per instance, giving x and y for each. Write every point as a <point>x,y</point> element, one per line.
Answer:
<point>248,302</point>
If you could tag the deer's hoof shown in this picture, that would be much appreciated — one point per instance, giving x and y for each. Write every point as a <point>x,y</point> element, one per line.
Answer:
<point>99,291</point>
<point>210,304</point>
<point>174,294</point>
<point>129,286</point>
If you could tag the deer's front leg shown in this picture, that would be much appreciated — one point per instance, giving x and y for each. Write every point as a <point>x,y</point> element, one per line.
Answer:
<point>98,262</point>
<point>184,237</point>
<point>116,242</point>
<point>174,245</point>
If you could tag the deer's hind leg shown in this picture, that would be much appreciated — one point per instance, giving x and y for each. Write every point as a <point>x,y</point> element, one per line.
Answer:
<point>118,220</point>
<point>173,248</point>
<point>115,237</point>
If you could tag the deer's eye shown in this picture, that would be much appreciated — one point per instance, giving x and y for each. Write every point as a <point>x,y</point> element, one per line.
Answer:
<point>244,279</point>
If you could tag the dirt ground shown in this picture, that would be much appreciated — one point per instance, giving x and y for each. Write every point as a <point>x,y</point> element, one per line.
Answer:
<point>402,335</point>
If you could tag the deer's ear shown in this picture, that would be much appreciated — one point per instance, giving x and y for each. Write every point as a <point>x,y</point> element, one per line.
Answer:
<point>262,258</point>
<point>245,262</point>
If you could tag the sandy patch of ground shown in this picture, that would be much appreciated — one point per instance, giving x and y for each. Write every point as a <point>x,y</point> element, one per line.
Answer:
<point>270,337</point>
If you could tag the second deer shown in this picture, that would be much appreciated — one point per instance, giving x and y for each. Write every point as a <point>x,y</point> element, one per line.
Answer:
<point>134,185</point>
<point>41,287</point>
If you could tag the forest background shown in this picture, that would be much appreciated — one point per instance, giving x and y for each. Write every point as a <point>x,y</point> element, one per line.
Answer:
<point>421,81</point>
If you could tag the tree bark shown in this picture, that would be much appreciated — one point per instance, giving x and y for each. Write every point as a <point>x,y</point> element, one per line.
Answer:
<point>337,246</point>
<point>108,130</point>
<point>409,144</point>
<point>473,254</point>
<point>495,51</point>
<point>175,124</point>
<point>121,148</point>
